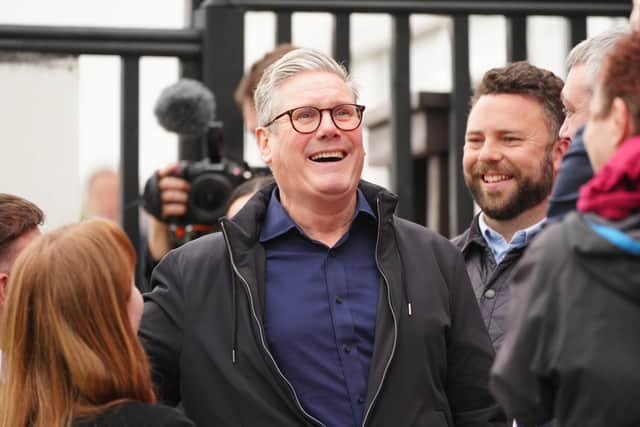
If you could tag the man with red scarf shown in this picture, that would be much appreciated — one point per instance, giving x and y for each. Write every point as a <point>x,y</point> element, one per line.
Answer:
<point>572,350</point>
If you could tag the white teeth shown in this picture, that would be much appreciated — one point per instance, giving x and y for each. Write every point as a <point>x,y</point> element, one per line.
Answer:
<point>327,155</point>
<point>495,178</point>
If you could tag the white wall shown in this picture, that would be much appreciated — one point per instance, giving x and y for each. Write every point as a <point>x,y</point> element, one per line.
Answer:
<point>39,133</point>
<point>83,109</point>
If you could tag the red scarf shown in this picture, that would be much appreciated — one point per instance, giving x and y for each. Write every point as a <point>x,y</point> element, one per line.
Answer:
<point>614,192</point>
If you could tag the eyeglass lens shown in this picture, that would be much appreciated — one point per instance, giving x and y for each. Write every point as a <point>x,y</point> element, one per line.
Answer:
<point>307,119</point>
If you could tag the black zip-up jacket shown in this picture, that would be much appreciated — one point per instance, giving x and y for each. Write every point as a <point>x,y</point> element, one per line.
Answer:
<point>572,349</point>
<point>490,281</point>
<point>202,329</point>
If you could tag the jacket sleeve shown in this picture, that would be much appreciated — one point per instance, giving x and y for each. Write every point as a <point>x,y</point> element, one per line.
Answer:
<point>520,378</point>
<point>161,328</point>
<point>470,354</point>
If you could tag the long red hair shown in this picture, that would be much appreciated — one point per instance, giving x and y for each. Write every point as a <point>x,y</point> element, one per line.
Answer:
<point>69,349</point>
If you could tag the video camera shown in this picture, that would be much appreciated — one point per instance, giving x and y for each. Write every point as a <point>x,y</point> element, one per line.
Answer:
<point>188,108</point>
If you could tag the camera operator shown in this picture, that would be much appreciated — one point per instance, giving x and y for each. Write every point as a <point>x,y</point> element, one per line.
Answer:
<point>174,191</point>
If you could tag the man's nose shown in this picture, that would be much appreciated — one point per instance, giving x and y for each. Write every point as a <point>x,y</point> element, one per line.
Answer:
<point>490,151</point>
<point>564,130</point>
<point>327,127</point>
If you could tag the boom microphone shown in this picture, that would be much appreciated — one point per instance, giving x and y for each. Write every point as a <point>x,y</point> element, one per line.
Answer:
<point>186,108</point>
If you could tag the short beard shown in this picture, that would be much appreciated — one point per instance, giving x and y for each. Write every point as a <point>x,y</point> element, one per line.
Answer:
<point>529,193</point>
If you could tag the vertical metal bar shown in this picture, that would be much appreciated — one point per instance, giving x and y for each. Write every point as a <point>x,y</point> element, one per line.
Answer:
<point>129,150</point>
<point>188,149</point>
<point>516,38</point>
<point>341,35</point>
<point>460,203</point>
<point>222,67</point>
<point>283,27</point>
<point>401,163</point>
<point>578,26</point>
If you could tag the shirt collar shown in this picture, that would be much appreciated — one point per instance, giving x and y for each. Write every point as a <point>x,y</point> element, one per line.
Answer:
<point>278,221</point>
<point>499,246</point>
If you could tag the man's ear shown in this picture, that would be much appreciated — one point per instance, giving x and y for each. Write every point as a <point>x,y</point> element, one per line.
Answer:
<point>263,142</point>
<point>560,147</point>
<point>622,121</point>
<point>4,279</point>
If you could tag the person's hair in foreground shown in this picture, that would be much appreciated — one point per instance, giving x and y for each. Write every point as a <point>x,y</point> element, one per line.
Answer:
<point>17,216</point>
<point>619,79</point>
<point>69,349</point>
<point>521,78</point>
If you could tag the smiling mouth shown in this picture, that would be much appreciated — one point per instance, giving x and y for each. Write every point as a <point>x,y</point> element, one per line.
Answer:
<point>329,156</point>
<point>492,179</point>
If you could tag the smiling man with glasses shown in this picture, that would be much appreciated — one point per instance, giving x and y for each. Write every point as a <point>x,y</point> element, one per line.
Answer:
<point>316,305</point>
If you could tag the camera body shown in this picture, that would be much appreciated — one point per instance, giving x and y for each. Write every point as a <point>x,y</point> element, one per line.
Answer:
<point>212,180</point>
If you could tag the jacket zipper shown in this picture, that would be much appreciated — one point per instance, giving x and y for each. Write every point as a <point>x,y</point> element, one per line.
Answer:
<point>395,321</point>
<point>255,317</point>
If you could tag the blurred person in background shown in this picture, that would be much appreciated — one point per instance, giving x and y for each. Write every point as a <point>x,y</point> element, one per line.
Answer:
<point>243,192</point>
<point>102,198</point>
<point>583,64</point>
<point>572,350</point>
<point>70,350</point>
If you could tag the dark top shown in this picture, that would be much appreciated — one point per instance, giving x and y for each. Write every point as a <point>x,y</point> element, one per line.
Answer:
<point>572,349</point>
<point>320,311</point>
<point>575,170</point>
<point>136,414</point>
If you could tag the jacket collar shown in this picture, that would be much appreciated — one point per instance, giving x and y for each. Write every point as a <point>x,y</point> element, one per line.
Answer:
<point>472,236</point>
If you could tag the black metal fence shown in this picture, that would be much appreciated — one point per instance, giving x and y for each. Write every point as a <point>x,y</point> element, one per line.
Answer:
<point>213,50</point>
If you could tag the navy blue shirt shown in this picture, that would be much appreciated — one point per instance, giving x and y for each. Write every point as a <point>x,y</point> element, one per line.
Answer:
<point>320,311</point>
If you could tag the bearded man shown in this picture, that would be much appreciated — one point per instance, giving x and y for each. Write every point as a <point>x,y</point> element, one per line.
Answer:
<point>512,153</point>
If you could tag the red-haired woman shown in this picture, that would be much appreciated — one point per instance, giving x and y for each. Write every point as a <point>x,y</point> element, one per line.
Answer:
<point>71,356</point>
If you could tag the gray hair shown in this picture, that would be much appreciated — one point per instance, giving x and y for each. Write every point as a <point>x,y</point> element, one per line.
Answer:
<point>295,62</point>
<point>592,51</point>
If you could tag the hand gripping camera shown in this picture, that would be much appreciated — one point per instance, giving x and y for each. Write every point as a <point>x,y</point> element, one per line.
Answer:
<point>187,108</point>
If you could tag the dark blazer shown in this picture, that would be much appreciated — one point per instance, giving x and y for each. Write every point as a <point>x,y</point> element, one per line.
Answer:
<point>136,414</point>
<point>202,329</point>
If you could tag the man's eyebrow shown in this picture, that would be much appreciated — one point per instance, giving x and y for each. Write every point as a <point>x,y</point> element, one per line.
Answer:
<point>474,133</point>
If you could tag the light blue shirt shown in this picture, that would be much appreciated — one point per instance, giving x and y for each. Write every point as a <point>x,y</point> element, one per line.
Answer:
<point>499,246</point>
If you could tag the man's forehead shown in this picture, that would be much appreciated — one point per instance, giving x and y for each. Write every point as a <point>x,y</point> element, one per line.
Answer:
<point>577,83</point>
<point>315,84</point>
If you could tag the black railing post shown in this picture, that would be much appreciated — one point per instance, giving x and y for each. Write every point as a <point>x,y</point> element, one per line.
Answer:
<point>222,27</point>
<point>516,38</point>
<point>341,35</point>
<point>460,204</point>
<point>129,148</point>
<point>401,160</point>
<point>283,27</point>
<point>578,25</point>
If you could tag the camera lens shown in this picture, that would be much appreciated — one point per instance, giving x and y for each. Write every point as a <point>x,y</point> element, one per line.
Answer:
<point>209,193</point>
